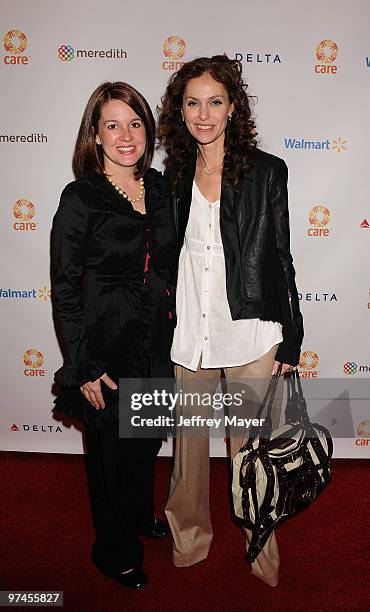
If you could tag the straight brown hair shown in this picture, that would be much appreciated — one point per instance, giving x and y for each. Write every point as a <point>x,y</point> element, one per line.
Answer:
<point>88,155</point>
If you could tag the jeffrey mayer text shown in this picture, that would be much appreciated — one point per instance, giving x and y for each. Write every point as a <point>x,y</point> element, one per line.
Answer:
<point>198,421</point>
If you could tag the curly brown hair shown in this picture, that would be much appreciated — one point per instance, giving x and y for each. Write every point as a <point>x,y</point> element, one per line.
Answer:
<point>240,133</point>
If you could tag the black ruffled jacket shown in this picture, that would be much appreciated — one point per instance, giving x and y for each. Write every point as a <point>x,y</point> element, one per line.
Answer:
<point>254,224</point>
<point>107,318</point>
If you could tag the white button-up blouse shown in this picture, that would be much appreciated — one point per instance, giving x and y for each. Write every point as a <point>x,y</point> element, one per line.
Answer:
<point>205,330</point>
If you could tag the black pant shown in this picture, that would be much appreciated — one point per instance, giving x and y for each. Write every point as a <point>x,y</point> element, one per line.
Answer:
<point>120,474</point>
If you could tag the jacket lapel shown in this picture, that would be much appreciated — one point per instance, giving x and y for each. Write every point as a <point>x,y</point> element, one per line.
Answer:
<point>182,202</point>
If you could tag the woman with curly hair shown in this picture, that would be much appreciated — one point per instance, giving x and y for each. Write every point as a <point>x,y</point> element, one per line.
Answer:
<point>237,302</point>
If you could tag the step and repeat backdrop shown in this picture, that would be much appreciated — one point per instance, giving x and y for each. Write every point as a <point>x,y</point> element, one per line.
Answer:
<point>308,70</point>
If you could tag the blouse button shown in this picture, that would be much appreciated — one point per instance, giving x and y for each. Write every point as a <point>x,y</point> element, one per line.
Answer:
<point>208,247</point>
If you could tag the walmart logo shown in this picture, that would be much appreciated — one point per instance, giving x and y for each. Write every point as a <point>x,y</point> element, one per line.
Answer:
<point>335,144</point>
<point>43,294</point>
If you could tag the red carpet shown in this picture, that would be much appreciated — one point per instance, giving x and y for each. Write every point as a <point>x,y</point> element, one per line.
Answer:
<point>46,534</point>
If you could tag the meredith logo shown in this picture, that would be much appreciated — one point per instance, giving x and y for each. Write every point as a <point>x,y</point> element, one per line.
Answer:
<point>67,53</point>
<point>335,144</point>
<point>351,368</point>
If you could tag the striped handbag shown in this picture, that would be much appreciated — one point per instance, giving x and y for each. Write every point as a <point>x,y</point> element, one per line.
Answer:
<point>278,473</point>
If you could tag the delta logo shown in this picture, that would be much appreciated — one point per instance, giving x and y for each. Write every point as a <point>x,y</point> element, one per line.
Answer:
<point>363,431</point>
<point>15,43</point>
<point>251,57</point>
<point>319,217</point>
<point>33,360</point>
<point>335,144</point>
<point>27,427</point>
<point>23,212</point>
<point>308,363</point>
<point>350,368</point>
<point>43,294</point>
<point>365,224</point>
<point>326,54</point>
<point>66,53</point>
<point>174,48</point>
<point>311,296</point>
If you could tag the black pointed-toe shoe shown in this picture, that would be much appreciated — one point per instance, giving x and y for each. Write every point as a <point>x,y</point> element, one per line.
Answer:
<point>159,530</point>
<point>134,579</point>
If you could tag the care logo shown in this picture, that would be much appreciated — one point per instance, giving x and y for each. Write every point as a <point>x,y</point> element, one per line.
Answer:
<point>23,212</point>
<point>319,217</point>
<point>326,53</point>
<point>174,48</point>
<point>351,368</point>
<point>66,53</point>
<point>308,363</point>
<point>363,431</point>
<point>15,43</point>
<point>33,359</point>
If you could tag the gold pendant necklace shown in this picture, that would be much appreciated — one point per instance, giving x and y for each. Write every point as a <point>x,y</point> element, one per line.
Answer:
<point>123,193</point>
<point>210,172</point>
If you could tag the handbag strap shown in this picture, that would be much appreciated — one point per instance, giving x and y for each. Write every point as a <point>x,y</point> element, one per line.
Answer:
<point>264,431</point>
<point>296,411</point>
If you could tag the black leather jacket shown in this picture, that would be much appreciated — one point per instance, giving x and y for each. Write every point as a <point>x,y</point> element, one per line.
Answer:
<point>254,223</point>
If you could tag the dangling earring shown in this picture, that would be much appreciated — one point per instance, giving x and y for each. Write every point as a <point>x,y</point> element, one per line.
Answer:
<point>229,117</point>
<point>182,116</point>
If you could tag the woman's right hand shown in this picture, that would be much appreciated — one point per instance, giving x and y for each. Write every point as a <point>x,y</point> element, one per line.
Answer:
<point>92,390</point>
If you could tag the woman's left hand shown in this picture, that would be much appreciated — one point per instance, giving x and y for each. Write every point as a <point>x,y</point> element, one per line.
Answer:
<point>286,367</point>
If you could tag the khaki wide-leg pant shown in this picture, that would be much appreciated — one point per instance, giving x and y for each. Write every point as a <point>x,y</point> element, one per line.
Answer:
<point>187,507</point>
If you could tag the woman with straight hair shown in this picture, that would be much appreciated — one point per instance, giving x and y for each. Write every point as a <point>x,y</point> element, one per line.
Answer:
<point>111,248</point>
<point>236,300</point>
